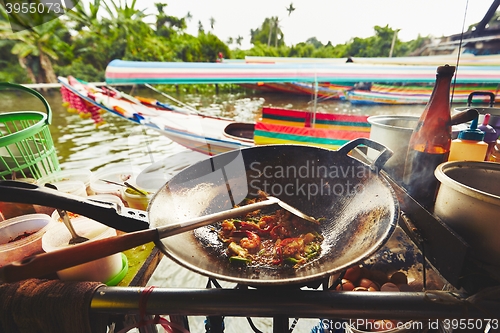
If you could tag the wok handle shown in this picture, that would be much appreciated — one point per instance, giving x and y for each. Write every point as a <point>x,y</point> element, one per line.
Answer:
<point>124,219</point>
<point>46,263</point>
<point>177,228</point>
<point>379,162</point>
<point>464,117</point>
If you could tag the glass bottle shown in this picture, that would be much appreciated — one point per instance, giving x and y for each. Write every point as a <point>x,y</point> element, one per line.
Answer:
<point>430,142</point>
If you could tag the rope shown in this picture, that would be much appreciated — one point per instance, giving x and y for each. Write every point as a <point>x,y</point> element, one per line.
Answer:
<point>143,302</point>
<point>39,305</point>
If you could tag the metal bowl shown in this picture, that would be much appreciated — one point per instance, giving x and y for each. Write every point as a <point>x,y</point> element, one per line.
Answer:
<point>468,201</point>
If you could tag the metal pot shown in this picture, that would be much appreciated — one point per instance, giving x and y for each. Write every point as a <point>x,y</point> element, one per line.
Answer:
<point>494,112</point>
<point>394,132</point>
<point>359,207</point>
<point>468,201</point>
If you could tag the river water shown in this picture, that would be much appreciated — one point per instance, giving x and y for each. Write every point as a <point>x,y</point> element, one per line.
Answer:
<point>80,144</point>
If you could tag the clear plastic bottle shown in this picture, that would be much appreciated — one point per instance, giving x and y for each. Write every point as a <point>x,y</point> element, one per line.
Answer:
<point>469,146</point>
<point>430,142</point>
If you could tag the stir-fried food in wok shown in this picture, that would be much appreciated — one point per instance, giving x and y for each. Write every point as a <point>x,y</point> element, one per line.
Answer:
<point>271,239</point>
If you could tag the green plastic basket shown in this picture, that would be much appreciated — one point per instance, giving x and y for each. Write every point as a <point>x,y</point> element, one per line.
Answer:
<point>26,146</point>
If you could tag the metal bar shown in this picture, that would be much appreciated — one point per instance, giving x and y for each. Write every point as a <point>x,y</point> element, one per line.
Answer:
<point>282,301</point>
<point>58,85</point>
<point>280,324</point>
<point>315,106</point>
<point>190,108</point>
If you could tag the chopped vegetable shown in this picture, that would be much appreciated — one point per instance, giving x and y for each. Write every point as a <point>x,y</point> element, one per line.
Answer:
<point>275,239</point>
<point>239,260</point>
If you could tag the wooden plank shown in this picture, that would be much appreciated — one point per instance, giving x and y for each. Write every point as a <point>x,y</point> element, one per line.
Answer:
<point>142,261</point>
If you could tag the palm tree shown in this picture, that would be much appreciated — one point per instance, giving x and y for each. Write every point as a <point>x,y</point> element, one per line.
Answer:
<point>212,23</point>
<point>273,28</point>
<point>276,31</point>
<point>160,6</point>
<point>239,39</point>
<point>290,8</point>
<point>127,23</point>
<point>83,17</point>
<point>35,47</point>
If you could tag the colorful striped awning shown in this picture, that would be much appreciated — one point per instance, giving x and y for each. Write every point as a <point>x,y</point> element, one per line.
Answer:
<point>136,72</point>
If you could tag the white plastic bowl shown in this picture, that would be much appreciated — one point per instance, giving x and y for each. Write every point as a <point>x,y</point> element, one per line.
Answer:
<point>101,270</point>
<point>74,187</point>
<point>27,246</point>
<point>79,175</point>
<point>114,173</point>
<point>98,197</point>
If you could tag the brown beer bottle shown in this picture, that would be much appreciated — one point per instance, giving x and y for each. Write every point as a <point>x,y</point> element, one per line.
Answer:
<point>430,142</point>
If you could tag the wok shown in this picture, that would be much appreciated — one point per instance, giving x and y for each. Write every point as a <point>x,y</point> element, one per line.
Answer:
<point>359,207</point>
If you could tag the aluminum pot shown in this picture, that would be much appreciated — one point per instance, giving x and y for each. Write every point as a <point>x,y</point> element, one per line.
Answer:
<point>494,112</point>
<point>394,132</point>
<point>468,201</point>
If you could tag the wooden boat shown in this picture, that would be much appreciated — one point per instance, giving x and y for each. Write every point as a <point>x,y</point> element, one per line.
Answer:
<point>137,72</point>
<point>323,90</point>
<point>198,132</point>
<point>415,94</point>
<point>214,135</point>
<point>466,59</point>
<point>321,129</point>
<point>294,76</point>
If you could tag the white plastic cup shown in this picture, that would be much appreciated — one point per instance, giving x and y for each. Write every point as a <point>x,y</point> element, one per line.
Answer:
<point>101,270</point>
<point>75,187</point>
<point>114,173</point>
<point>16,250</point>
<point>135,201</point>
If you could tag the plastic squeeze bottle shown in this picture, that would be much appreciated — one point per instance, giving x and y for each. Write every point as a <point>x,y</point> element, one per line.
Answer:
<point>430,141</point>
<point>490,136</point>
<point>469,146</point>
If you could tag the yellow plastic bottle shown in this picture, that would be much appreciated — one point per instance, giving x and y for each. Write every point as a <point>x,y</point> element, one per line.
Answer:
<point>469,146</point>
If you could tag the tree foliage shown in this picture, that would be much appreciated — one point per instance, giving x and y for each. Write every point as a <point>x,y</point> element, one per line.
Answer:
<point>95,32</point>
<point>269,33</point>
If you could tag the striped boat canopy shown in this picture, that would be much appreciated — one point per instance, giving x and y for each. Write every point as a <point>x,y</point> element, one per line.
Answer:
<point>293,126</point>
<point>466,59</point>
<point>137,72</point>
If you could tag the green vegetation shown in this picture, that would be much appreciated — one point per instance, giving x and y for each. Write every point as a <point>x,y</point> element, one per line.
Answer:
<point>84,41</point>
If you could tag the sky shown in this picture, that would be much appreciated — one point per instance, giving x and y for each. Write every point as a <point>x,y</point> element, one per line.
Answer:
<point>328,20</point>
